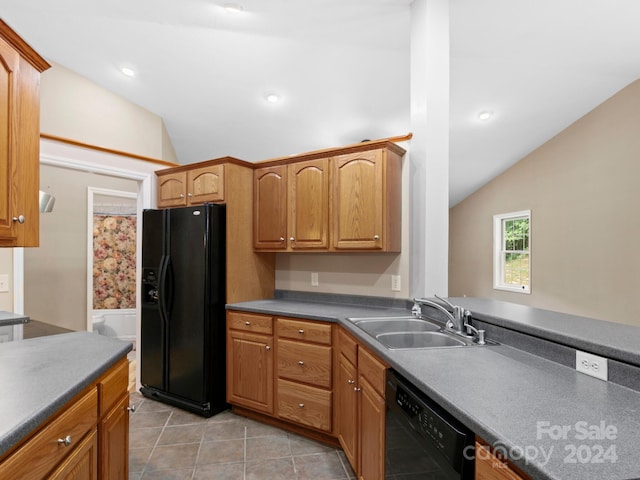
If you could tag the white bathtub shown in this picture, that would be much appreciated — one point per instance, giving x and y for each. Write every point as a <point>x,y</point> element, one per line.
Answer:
<point>119,323</point>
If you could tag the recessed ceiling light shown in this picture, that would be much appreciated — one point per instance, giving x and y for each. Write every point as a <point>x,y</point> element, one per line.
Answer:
<point>272,97</point>
<point>233,7</point>
<point>485,115</point>
<point>127,71</point>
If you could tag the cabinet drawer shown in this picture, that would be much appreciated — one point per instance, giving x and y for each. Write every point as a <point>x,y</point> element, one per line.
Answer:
<point>113,386</point>
<point>304,362</point>
<point>372,369</point>
<point>304,404</point>
<point>35,459</point>
<point>348,347</point>
<point>250,323</point>
<point>303,330</point>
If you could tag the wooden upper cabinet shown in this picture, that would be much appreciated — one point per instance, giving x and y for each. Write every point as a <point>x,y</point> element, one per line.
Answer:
<point>270,208</point>
<point>205,184</point>
<point>20,69</point>
<point>172,189</point>
<point>366,201</point>
<point>193,186</point>
<point>308,212</point>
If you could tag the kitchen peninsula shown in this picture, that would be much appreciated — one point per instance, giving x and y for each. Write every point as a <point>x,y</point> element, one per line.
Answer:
<point>64,408</point>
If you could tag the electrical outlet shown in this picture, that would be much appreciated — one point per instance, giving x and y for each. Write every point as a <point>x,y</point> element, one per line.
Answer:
<point>314,279</point>
<point>4,283</point>
<point>395,283</point>
<point>592,365</point>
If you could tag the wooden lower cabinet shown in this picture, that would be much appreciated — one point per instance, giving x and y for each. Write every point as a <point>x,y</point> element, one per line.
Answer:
<point>360,407</point>
<point>86,439</point>
<point>250,361</point>
<point>490,467</point>
<point>82,464</point>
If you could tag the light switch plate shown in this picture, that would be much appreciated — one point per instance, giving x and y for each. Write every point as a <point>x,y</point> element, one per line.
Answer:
<point>314,279</point>
<point>4,283</point>
<point>395,283</point>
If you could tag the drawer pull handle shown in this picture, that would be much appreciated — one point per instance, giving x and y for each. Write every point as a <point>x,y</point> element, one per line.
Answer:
<point>66,441</point>
<point>301,332</point>
<point>351,382</point>
<point>282,239</point>
<point>189,195</point>
<point>300,362</point>
<point>356,389</point>
<point>182,195</point>
<point>19,219</point>
<point>292,239</point>
<point>247,323</point>
<point>131,409</point>
<point>301,405</point>
<point>376,237</point>
<point>267,347</point>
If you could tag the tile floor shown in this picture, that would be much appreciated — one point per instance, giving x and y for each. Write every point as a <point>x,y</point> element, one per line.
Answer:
<point>170,444</point>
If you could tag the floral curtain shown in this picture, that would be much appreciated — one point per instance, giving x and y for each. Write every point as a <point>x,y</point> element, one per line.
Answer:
<point>114,261</point>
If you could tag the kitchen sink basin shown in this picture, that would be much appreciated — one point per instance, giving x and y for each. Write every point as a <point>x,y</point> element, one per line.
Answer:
<point>420,340</point>
<point>375,326</point>
<point>409,331</point>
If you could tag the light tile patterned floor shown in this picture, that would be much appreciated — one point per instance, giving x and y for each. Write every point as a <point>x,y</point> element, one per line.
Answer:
<point>171,444</point>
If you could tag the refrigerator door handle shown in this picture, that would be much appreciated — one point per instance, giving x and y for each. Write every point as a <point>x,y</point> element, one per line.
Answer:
<point>164,291</point>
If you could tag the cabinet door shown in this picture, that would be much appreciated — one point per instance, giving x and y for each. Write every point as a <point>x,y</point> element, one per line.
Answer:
<point>114,442</point>
<point>357,202</point>
<point>250,370</point>
<point>19,149</point>
<point>205,185</point>
<point>82,464</point>
<point>372,432</point>
<point>489,467</point>
<point>270,215</point>
<point>172,189</point>
<point>347,409</point>
<point>308,218</point>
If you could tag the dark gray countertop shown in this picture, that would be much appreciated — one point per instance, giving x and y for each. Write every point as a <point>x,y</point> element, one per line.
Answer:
<point>39,375</point>
<point>8,318</point>
<point>512,399</point>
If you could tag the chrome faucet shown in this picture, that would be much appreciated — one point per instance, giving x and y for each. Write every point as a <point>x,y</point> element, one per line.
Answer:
<point>455,321</point>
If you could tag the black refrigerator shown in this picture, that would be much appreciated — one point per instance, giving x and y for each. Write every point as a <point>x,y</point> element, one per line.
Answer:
<point>182,345</point>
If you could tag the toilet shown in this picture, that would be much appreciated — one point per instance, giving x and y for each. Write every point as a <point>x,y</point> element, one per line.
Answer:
<point>98,324</point>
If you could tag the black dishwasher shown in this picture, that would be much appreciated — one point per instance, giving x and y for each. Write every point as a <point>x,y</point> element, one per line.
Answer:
<point>423,441</point>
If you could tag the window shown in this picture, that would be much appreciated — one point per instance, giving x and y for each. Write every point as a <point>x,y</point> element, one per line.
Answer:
<point>512,254</point>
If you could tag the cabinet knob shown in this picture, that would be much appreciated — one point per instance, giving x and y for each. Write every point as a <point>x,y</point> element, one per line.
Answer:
<point>292,239</point>
<point>131,408</point>
<point>356,389</point>
<point>376,237</point>
<point>182,195</point>
<point>267,347</point>
<point>19,219</point>
<point>189,195</point>
<point>301,405</point>
<point>282,239</point>
<point>247,323</point>
<point>301,332</point>
<point>300,362</point>
<point>66,441</point>
<point>351,382</point>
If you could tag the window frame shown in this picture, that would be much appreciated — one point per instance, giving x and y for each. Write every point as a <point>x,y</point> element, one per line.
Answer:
<point>498,252</point>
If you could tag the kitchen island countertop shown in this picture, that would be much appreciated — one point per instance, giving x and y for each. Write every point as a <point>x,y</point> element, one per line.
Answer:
<point>516,401</point>
<point>40,375</point>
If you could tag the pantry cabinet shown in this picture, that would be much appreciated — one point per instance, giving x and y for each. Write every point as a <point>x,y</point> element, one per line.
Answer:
<point>86,439</point>
<point>360,407</point>
<point>335,202</point>
<point>20,68</point>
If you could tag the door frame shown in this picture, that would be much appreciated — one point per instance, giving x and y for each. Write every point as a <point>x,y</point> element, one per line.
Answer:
<point>95,161</point>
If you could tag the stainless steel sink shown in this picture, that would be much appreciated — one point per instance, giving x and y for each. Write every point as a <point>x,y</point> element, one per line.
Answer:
<point>409,331</point>
<point>375,326</point>
<point>420,340</point>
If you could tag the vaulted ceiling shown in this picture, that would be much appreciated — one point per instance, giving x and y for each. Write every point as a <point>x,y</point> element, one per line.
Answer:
<point>341,70</point>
